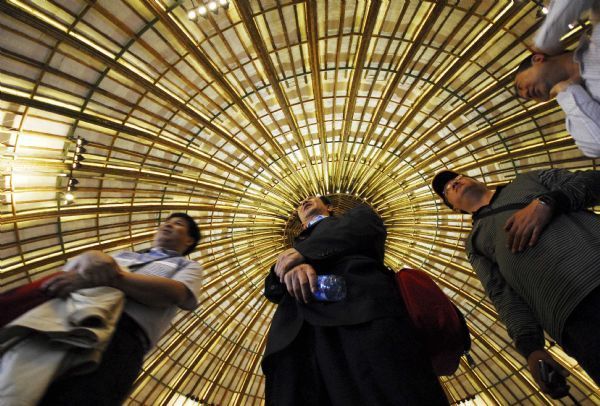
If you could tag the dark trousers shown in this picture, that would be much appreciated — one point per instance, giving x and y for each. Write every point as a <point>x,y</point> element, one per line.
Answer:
<point>111,382</point>
<point>374,363</point>
<point>581,335</point>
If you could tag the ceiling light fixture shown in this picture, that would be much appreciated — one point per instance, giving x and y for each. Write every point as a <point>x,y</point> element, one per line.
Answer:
<point>203,9</point>
<point>75,164</point>
<point>71,184</point>
<point>542,10</point>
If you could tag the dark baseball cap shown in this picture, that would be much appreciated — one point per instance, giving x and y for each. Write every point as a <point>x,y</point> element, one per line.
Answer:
<point>440,180</point>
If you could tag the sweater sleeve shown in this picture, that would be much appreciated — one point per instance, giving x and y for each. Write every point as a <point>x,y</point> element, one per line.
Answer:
<point>572,191</point>
<point>520,321</point>
<point>274,290</point>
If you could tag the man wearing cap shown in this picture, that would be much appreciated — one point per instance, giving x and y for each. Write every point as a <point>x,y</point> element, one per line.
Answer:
<point>573,77</point>
<point>536,249</point>
<point>156,283</point>
<point>360,350</point>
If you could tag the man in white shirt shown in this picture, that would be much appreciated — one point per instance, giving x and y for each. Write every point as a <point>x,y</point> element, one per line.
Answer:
<point>573,77</point>
<point>155,283</point>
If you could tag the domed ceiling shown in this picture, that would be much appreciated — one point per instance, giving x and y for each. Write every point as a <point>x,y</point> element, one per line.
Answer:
<point>234,117</point>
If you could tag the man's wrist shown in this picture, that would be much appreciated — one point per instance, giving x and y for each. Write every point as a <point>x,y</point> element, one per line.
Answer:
<point>536,354</point>
<point>528,344</point>
<point>548,202</point>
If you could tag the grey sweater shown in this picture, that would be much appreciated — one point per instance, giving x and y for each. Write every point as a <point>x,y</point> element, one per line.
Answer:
<point>539,287</point>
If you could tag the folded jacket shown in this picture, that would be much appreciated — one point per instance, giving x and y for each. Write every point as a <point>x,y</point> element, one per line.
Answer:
<point>58,337</point>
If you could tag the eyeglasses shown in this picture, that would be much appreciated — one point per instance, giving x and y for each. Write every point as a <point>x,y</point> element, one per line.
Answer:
<point>451,184</point>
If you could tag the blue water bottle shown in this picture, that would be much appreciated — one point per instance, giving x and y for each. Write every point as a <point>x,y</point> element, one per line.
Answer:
<point>330,288</point>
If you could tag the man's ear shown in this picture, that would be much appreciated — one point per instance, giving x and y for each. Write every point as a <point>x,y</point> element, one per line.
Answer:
<point>189,241</point>
<point>538,58</point>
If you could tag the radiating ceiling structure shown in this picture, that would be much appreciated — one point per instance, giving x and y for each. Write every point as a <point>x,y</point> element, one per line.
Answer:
<point>234,117</point>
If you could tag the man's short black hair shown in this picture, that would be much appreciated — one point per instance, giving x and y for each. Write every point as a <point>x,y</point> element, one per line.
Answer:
<point>326,201</point>
<point>525,64</point>
<point>193,230</point>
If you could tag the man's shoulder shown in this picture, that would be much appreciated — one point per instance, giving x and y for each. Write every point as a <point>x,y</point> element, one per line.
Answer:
<point>527,180</point>
<point>183,263</point>
<point>469,240</point>
<point>361,209</point>
<point>522,189</point>
<point>186,262</point>
<point>542,176</point>
<point>528,175</point>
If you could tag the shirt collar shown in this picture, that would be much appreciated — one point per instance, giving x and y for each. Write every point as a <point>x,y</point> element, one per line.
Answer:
<point>315,220</point>
<point>494,197</point>
<point>160,251</point>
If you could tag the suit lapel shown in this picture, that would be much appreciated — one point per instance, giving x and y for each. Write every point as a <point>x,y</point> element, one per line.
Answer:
<point>304,234</point>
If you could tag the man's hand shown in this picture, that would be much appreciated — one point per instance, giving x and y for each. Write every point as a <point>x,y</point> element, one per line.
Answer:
<point>534,367</point>
<point>96,267</point>
<point>65,283</point>
<point>525,226</point>
<point>286,261</point>
<point>301,282</point>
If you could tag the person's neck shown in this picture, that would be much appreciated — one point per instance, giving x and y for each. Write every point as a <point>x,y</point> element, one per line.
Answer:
<point>483,200</point>
<point>569,69</point>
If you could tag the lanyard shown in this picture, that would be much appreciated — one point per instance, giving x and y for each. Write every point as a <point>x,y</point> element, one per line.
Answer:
<point>512,206</point>
<point>135,267</point>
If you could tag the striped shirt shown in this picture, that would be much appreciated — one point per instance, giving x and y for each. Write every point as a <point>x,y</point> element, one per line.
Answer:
<point>538,288</point>
<point>167,264</point>
<point>580,102</point>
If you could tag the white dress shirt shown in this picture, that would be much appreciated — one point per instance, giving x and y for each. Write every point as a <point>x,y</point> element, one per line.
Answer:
<point>580,102</point>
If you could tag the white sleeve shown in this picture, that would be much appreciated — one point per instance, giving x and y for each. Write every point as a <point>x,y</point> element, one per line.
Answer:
<point>191,277</point>
<point>582,119</point>
<point>556,24</point>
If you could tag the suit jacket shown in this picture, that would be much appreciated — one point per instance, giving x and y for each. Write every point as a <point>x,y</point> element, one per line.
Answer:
<point>351,246</point>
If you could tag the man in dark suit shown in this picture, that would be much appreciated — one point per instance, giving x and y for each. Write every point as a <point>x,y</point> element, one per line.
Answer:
<point>358,351</point>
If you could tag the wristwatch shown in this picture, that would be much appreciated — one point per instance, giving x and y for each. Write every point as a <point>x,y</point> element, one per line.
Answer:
<point>547,201</point>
